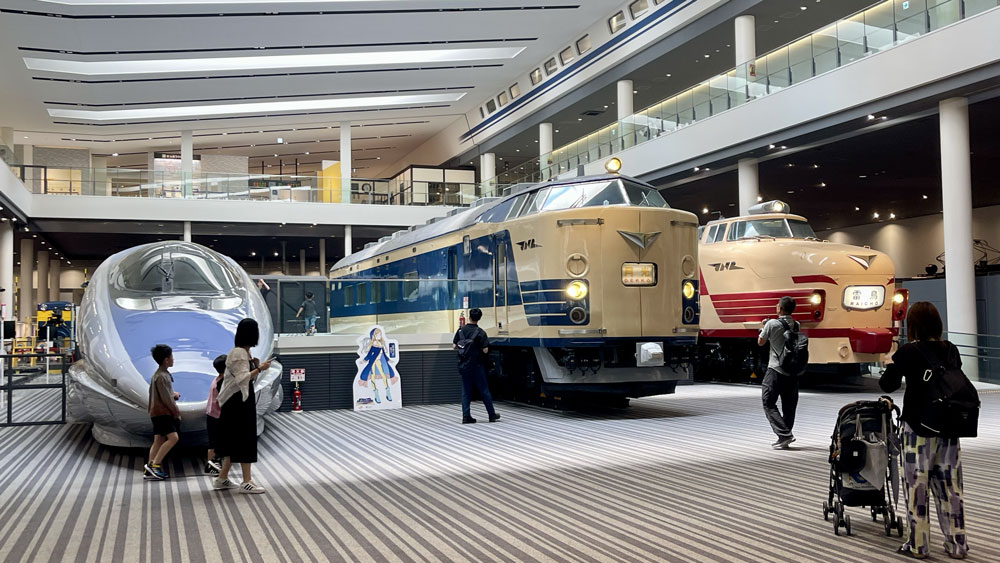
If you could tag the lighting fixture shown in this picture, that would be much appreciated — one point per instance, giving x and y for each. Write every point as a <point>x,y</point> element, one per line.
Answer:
<point>875,215</point>
<point>669,75</point>
<point>275,253</point>
<point>770,146</point>
<point>697,168</point>
<point>803,8</point>
<point>281,141</point>
<point>870,117</point>
<point>367,102</point>
<point>114,154</point>
<point>704,211</point>
<point>307,153</point>
<point>783,147</point>
<point>707,55</point>
<point>822,184</point>
<point>856,208</point>
<point>925,197</point>
<point>320,60</point>
<point>892,215</point>
<point>760,199</point>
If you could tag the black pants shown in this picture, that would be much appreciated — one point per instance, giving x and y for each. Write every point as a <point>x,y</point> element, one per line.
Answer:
<point>474,377</point>
<point>786,387</point>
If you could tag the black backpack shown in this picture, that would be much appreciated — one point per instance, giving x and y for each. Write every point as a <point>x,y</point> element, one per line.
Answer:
<point>952,403</point>
<point>467,351</point>
<point>795,354</point>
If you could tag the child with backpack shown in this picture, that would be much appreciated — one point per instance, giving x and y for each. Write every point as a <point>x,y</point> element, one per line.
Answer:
<point>212,413</point>
<point>783,369</point>
<point>940,405</point>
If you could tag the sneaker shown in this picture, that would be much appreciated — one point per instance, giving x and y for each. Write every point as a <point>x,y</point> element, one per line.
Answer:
<point>158,472</point>
<point>212,467</point>
<point>495,417</point>
<point>147,473</point>
<point>223,484</point>
<point>468,420</point>
<point>783,443</point>
<point>251,488</point>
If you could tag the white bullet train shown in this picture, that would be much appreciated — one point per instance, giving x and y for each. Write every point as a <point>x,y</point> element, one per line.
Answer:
<point>176,293</point>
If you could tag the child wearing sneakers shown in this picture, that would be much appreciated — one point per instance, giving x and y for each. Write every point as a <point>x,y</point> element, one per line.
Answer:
<point>163,412</point>
<point>212,413</point>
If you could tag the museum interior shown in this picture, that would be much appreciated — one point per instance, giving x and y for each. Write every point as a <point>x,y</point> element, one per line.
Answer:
<point>263,264</point>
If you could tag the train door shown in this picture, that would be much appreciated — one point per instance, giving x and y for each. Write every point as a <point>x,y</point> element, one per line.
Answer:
<point>500,287</point>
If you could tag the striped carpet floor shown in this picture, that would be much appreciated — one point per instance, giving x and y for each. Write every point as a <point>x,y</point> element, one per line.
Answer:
<point>687,477</point>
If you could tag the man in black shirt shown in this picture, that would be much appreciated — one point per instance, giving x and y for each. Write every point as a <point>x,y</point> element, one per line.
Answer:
<point>473,345</point>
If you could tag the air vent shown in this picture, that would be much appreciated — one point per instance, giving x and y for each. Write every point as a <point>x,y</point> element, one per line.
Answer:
<point>592,112</point>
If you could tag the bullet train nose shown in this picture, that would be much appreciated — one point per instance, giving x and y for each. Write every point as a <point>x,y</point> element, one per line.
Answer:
<point>196,337</point>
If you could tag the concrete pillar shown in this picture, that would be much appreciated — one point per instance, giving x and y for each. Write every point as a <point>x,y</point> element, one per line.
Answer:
<point>7,140</point>
<point>749,184</point>
<point>624,99</point>
<point>956,190</point>
<point>101,184</point>
<point>30,179</point>
<point>322,258</point>
<point>346,168</point>
<point>7,269</point>
<point>348,244</point>
<point>55,285</point>
<point>488,173</point>
<point>42,275</point>
<point>745,42</point>
<point>187,161</point>
<point>302,262</point>
<point>544,149</point>
<point>26,303</point>
<point>284,259</point>
<point>186,237</point>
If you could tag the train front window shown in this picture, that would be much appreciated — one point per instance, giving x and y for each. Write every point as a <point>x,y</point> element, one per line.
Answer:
<point>801,229</point>
<point>643,196</point>
<point>589,194</point>
<point>175,270</point>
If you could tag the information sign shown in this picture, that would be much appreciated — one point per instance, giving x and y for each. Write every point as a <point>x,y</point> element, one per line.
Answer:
<point>297,374</point>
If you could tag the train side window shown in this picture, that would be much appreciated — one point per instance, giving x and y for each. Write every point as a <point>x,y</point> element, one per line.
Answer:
<point>362,296</point>
<point>516,206</point>
<point>616,22</point>
<point>638,8</point>
<point>535,202</point>
<point>411,286</point>
<point>736,230</point>
<point>566,55</point>
<point>721,234</point>
<point>536,76</point>
<point>551,66</point>
<point>391,291</point>
<point>376,292</point>
<point>466,245</point>
<point>497,214</point>
<point>711,234</point>
<point>515,91</point>
<point>583,44</point>
<point>701,231</point>
<point>348,295</point>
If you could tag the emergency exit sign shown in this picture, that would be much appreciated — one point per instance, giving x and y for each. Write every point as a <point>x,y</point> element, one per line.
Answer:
<point>297,374</point>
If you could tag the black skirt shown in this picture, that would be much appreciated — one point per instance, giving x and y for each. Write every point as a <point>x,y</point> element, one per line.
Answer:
<point>238,439</point>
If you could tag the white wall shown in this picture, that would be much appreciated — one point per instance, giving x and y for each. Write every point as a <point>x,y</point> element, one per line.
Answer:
<point>914,243</point>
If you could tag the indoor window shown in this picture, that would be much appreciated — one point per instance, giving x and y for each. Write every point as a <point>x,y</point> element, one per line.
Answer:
<point>566,55</point>
<point>551,66</point>
<point>638,8</point>
<point>502,99</point>
<point>536,76</point>
<point>583,44</point>
<point>616,22</point>
<point>491,106</point>
<point>515,91</point>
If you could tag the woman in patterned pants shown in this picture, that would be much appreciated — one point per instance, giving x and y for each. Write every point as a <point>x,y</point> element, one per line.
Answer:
<point>931,464</point>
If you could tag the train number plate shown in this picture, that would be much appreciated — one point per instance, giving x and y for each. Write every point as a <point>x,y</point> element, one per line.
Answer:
<point>862,297</point>
<point>638,273</point>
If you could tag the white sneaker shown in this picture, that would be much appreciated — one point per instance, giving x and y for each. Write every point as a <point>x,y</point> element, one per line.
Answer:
<point>220,484</point>
<point>251,488</point>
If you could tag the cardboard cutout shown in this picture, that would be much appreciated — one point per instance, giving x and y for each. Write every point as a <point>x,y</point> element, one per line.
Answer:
<point>376,386</point>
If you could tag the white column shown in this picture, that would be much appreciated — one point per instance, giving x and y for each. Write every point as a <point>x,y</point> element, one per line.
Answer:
<point>956,190</point>
<point>28,157</point>
<point>624,99</point>
<point>102,185</point>
<point>55,271</point>
<point>347,241</point>
<point>745,42</point>
<point>43,276</point>
<point>302,261</point>
<point>7,269</point>
<point>26,305</point>
<point>544,149</point>
<point>322,258</point>
<point>749,185</point>
<point>7,139</point>
<point>487,173</point>
<point>186,237</point>
<point>187,161</point>
<point>346,167</point>
<point>284,259</point>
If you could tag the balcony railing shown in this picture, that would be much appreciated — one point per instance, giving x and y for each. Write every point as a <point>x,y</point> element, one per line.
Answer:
<point>870,31</point>
<point>124,182</point>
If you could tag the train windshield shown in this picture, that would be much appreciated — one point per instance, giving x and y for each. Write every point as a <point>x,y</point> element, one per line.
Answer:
<point>175,269</point>
<point>771,228</point>
<point>596,194</point>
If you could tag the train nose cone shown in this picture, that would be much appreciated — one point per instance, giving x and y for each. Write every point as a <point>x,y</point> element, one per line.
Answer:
<point>196,337</point>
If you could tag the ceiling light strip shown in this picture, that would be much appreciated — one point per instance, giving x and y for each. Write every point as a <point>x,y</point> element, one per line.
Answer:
<point>223,64</point>
<point>257,116</point>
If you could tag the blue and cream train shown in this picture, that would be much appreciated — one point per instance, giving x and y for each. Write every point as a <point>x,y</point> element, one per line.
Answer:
<point>586,285</point>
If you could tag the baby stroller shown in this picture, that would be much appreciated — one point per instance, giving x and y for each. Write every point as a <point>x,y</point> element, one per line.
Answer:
<point>864,467</point>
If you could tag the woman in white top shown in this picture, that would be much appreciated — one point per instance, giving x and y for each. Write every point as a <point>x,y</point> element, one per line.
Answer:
<point>239,408</point>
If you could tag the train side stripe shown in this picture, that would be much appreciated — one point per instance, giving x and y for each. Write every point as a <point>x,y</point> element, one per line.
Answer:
<point>818,278</point>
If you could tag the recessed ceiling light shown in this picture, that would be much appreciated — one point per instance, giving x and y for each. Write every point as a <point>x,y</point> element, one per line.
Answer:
<point>635,91</point>
<point>760,198</point>
<point>707,55</point>
<point>321,60</point>
<point>892,215</point>
<point>875,215</point>
<point>856,208</point>
<point>114,154</point>
<point>925,197</point>
<point>803,8</point>
<point>697,168</point>
<point>307,153</point>
<point>281,141</point>
<point>870,117</point>
<point>770,146</point>
<point>368,102</point>
<point>775,21</point>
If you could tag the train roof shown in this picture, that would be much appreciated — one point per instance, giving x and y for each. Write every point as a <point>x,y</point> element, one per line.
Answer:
<point>759,216</point>
<point>458,219</point>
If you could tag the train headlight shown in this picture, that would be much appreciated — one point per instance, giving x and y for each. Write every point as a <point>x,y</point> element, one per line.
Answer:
<point>613,165</point>
<point>576,290</point>
<point>816,299</point>
<point>898,298</point>
<point>687,290</point>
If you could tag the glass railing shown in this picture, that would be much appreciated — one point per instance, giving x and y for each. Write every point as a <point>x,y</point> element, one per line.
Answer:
<point>310,188</point>
<point>873,30</point>
<point>981,351</point>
